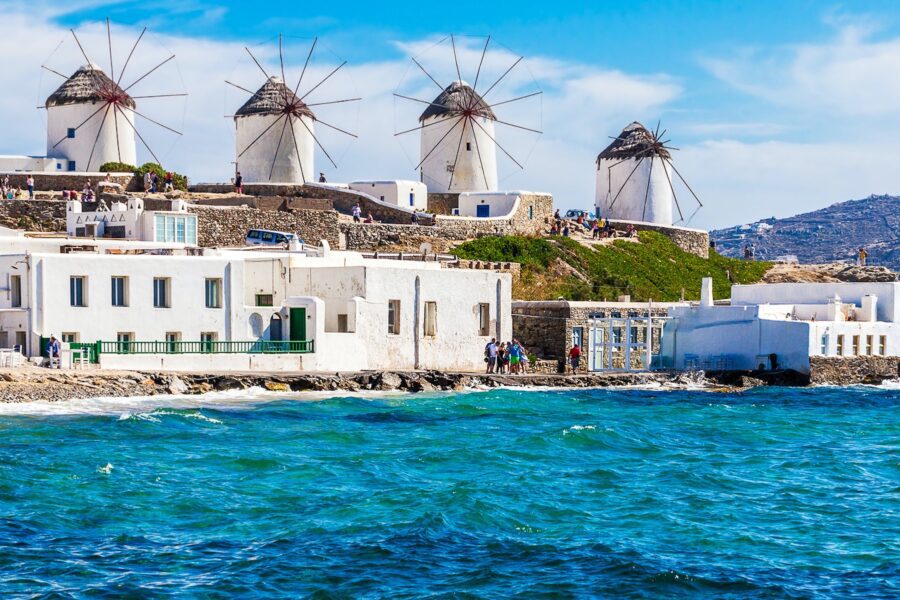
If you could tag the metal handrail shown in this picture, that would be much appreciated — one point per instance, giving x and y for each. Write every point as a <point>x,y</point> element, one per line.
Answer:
<point>206,347</point>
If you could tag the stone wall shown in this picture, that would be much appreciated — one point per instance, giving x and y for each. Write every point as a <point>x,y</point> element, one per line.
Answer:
<point>228,226</point>
<point>442,204</point>
<point>545,327</point>
<point>849,370</point>
<point>33,215</point>
<point>388,237</point>
<point>268,202</point>
<point>44,182</point>
<point>695,241</point>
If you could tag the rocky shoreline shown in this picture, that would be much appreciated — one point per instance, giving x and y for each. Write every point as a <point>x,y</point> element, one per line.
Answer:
<point>34,384</point>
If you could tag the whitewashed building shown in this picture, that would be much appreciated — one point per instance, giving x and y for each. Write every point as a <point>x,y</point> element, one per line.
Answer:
<point>398,192</point>
<point>490,204</point>
<point>262,310</point>
<point>128,219</point>
<point>458,154</point>
<point>780,326</point>
<point>274,140</point>
<point>634,179</point>
<point>90,121</point>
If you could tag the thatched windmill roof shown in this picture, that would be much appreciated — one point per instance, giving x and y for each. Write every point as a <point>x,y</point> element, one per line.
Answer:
<point>89,84</point>
<point>274,98</point>
<point>456,99</point>
<point>635,141</point>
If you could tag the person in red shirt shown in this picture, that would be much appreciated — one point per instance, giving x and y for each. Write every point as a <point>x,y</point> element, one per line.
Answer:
<point>575,357</point>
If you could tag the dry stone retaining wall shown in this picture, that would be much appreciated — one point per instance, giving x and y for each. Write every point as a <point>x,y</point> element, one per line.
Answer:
<point>228,226</point>
<point>44,182</point>
<point>849,370</point>
<point>442,204</point>
<point>695,241</point>
<point>33,215</point>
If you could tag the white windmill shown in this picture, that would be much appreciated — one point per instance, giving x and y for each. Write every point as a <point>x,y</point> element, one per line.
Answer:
<point>458,139</point>
<point>92,116</point>
<point>634,179</point>
<point>275,130</point>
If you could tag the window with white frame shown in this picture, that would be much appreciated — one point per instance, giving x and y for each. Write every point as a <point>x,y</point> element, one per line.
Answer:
<point>882,345</point>
<point>15,291</point>
<point>161,292</point>
<point>208,340</point>
<point>119,290</point>
<point>870,344</point>
<point>175,228</point>
<point>213,293</point>
<point>172,339</point>
<point>77,296</point>
<point>69,337</point>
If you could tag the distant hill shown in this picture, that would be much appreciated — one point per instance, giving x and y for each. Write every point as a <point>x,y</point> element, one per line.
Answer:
<point>832,234</point>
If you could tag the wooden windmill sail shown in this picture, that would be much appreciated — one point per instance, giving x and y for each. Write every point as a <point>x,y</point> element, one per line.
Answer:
<point>635,178</point>
<point>458,128</point>
<point>93,116</point>
<point>275,128</point>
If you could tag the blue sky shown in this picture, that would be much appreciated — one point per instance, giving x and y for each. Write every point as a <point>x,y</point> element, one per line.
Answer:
<point>778,107</point>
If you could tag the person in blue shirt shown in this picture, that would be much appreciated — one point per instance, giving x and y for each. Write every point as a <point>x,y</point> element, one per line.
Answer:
<point>53,348</point>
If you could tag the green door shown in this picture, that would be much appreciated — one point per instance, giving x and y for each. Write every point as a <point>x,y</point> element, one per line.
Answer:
<point>298,324</point>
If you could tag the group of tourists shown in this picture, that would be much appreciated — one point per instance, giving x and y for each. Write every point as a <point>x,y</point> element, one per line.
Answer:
<point>506,357</point>
<point>16,193</point>
<point>357,215</point>
<point>599,228</point>
<point>151,182</point>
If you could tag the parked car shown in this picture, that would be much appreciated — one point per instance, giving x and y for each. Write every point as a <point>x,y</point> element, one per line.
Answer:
<point>574,213</point>
<point>265,237</point>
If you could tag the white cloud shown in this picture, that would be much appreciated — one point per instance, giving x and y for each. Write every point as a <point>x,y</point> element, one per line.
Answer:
<point>851,75</point>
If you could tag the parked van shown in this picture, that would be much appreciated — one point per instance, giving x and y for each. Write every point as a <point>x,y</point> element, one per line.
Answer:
<point>265,237</point>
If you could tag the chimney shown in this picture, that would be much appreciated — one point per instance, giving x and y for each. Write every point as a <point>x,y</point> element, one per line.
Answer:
<point>869,309</point>
<point>706,292</point>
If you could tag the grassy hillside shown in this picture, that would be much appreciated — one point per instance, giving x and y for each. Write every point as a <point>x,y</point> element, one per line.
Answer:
<point>653,269</point>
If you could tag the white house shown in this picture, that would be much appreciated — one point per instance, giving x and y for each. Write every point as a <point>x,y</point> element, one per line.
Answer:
<point>129,220</point>
<point>274,140</point>
<point>634,179</point>
<point>263,310</point>
<point>90,121</point>
<point>458,153</point>
<point>781,325</point>
<point>489,204</point>
<point>399,192</point>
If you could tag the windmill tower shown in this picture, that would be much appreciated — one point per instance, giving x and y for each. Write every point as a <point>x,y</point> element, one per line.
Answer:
<point>92,118</point>
<point>89,97</point>
<point>458,112</point>
<point>275,138</point>
<point>285,158</point>
<point>634,179</point>
<point>458,140</point>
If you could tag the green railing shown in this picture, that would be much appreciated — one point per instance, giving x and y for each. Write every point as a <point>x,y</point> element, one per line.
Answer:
<point>205,347</point>
<point>92,350</point>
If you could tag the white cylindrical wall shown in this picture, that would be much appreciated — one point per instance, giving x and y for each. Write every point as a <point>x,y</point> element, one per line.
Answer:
<point>464,167</point>
<point>634,202</point>
<point>78,149</point>
<point>255,165</point>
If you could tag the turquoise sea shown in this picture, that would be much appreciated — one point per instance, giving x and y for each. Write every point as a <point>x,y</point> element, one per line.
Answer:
<point>771,493</point>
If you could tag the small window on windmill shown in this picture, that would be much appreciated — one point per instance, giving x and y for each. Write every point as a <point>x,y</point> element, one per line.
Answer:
<point>70,133</point>
<point>71,165</point>
<point>469,146</point>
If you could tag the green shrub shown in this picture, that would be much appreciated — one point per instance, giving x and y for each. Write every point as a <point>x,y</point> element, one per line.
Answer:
<point>117,167</point>
<point>653,269</point>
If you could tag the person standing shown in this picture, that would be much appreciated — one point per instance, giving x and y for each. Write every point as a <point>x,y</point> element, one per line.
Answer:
<point>357,213</point>
<point>863,255</point>
<point>154,183</point>
<point>239,184</point>
<point>29,183</point>
<point>575,357</point>
<point>322,177</point>
<point>53,349</point>
<point>169,187</point>
<point>147,182</point>
<point>490,353</point>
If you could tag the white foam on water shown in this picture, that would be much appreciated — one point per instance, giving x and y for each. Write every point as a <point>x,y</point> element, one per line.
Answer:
<point>105,470</point>
<point>574,428</point>
<point>147,407</point>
